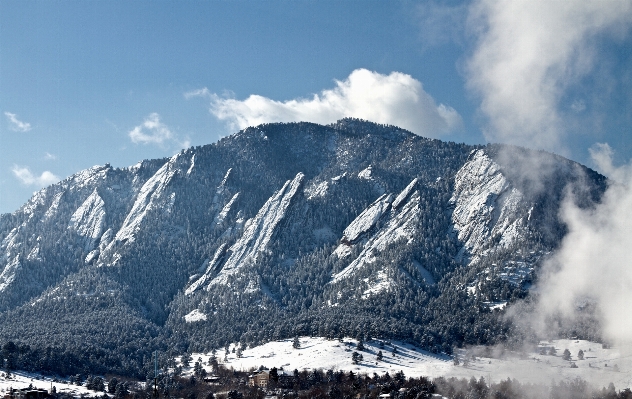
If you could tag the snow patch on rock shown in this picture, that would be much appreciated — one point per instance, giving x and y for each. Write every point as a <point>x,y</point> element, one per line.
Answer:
<point>401,226</point>
<point>8,274</point>
<point>399,200</point>
<point>221,216</point>
<point>35,253</point>
<point>194,315</point>
<point>365,174</point>
<point>89,219</point>
<point>210,270</point>
<point>258,231</point>
<point>147,199</point>
<point>381,283</point>
<point>487,209</point>
<point>317,190</point>
<point>192,165</point>
<point>52,210</point>
<point>368,218</point>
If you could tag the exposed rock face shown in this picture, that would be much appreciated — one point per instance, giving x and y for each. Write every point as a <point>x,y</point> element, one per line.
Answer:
<point>488,211</point>
<point>89,219</point>
<point>255,238</point>
<point>399,226</point>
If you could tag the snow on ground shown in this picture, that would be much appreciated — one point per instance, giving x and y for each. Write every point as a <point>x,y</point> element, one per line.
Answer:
<point>19,380</point>
<point>598,366</point>
<point>194,315</point>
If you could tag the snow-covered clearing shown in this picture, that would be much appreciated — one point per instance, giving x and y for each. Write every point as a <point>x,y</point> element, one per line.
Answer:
<point>598,366</point>
<point>19,380</point>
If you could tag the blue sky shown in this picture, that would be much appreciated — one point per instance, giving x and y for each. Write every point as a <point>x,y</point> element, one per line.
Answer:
<point>86,83</point>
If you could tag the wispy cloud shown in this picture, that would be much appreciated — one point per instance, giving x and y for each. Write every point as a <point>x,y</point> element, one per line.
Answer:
<point>593,260</point>
<point>441,23</point>
<point>28,178</point>
<point>396,99</point>
<point>50,157</point>
<point>197,93</point>
<point>529,56</point>
<point>528,53</point>
<point>15,124</point>
<point>154,131</point>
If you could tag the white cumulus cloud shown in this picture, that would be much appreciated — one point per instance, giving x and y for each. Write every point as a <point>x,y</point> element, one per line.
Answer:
<point>28,178</point>
<point>151,131</point>
<point>15,124</point>
<point>154,131</point>
<point>396,99</point>
<point>528,54</point>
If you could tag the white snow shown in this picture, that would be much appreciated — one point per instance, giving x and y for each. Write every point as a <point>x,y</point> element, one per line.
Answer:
<point>381,283</point>
<point>486,208</point>
<point>529,367</point>
<point>50,212</point>
<point>149,194</point>
<point>89,219</point>
<point>87,177</point>
<point>192,165</point>
<point>10,254</point>
<point>9,241</point>
<point>318,190</point>
<point>8,274</point>
<point>402,226</point>
<point>106,238</point>
<point>33,203</point>
<point>221,216</point>
<point>21,379</point>
<point>368,218</point>
<point>365,174</point>
<point>342,251</point>
<point>34,254</point>
<point>405,193</point>
<point>258,231</point>
<point>92,255</point>
<point>226,176</point>
<point>320,353</point>
<point>208,274</point>
<point>194,315</point>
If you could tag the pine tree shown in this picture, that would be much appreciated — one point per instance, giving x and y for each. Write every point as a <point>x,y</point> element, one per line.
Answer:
<point>296,344</point>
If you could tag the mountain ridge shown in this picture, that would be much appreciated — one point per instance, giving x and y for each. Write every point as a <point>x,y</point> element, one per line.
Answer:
<point>279,230</point>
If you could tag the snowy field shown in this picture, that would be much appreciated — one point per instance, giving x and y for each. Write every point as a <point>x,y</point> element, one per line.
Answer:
<point>598,366</point>
<point>20,380</point>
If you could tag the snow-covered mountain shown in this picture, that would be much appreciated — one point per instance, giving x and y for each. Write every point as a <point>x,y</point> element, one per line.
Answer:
<point>281,229</point>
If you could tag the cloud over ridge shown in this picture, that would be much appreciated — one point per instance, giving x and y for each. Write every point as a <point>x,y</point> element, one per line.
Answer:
<point>528,53</point>
<point>25,176</point>
<point>592,264</point>
<point>396,99</point>
<point>154,131</point>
